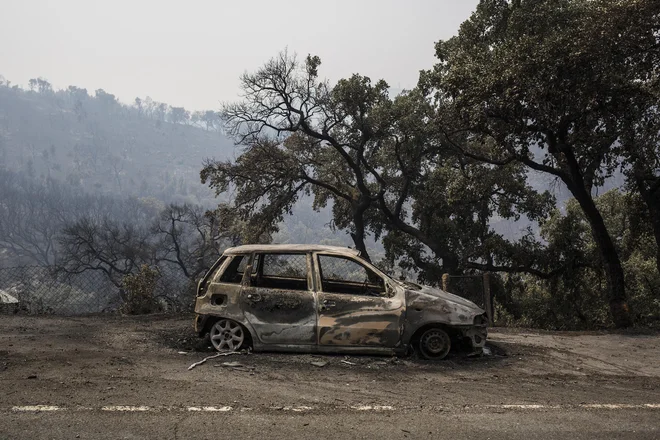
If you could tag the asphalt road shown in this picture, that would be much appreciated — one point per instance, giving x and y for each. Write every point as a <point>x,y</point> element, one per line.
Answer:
<point>460,424</point>
<point>114,378</point>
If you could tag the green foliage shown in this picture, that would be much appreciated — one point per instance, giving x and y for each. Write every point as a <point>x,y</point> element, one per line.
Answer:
<point>302,137</point>
<point>139,292</point>
<point>534,82</point>
<point>377,161</point>
<point>577,297</point>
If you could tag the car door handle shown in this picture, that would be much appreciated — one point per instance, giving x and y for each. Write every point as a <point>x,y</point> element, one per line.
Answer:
<point>327,303</point>
<point>254,297</point>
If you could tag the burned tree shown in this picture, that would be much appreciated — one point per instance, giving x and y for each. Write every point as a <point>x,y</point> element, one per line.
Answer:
<point>189,237</point>
<point>116,249</point>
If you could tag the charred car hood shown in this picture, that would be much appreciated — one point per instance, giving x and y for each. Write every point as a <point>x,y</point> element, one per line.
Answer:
<point>430,300</point>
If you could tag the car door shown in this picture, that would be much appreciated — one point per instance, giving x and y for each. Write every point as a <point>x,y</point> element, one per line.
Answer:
<point>356,308</point>
<point>279,301</point>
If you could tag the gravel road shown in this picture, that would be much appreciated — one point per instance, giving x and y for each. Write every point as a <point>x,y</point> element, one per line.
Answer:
<point>114,378</point>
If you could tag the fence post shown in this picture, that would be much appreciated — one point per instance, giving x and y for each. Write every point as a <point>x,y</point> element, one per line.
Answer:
<point>488,304</point>
<point>445,282</point>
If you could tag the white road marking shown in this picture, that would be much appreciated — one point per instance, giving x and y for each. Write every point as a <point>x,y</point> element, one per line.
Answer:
<point>373,408</point>
<point>620,406</point>
<point>292,408</point>
<point>524,406</point>
<point>210,408</point>
<point>304,408</point>
<point>126,408</point>
<point>36,408</point>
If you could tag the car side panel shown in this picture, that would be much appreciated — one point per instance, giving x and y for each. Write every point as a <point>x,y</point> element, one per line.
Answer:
<point>281,316</point>
<point>352,321</point>
<point>230,307</point>
<point>356,320</point>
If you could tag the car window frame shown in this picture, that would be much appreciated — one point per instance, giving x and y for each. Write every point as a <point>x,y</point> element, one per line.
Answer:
<point>218,267</point>
<point>211,275</point>
<point>311,285</point>
<point>355,259</point>
<point>225,266</point>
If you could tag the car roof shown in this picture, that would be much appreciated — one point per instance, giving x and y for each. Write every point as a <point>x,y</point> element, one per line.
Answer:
<point>283,248</point>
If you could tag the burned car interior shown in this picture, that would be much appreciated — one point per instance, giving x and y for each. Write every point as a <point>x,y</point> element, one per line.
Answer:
<point>280,271</point>
<point>341,275</point>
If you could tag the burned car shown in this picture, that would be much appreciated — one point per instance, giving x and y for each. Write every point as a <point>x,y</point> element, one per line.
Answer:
<point>315,298</point>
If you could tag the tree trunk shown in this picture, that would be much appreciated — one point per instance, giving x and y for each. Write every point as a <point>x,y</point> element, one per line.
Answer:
<point>612,264</point>
<point>358,235</point>
<point>616,287</point>
<point>655,221</point>
<point>654,214</point>
<point>652,201</point>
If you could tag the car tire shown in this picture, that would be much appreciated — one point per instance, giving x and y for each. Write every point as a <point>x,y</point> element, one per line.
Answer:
<point>227,335</point>
<point>434,344</point>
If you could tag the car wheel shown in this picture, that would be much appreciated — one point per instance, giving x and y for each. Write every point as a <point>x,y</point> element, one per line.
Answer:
<point>227,335</point>
<point>434,344</point>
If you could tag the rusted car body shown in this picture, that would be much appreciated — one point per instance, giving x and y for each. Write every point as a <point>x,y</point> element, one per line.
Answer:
<point>316,298</point>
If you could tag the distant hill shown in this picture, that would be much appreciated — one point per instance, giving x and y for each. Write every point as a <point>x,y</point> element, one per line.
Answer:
<point>92,143</point>
<point>68,153</point>
<point>103,146</point>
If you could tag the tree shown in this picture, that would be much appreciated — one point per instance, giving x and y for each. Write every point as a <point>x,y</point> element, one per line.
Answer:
<point>576,298</point>
<point>117,167</point>
<point>325,153</point>
<point>138,106</point>
<point>195,118</point>
<point>77,93</point>
<point>78,96</point>
<point>30,218</point>
<point>183,235</point>
<point>44,86</point>
<point>210,118</point>
<point>641,155</point>
<point>638,116</point>
<point>179,115</point>
<point>149,107</point>
<point>107,99</point>
<point>379,163</point>
<point>532,82</point>
<point>160,111</point>
<point>113,248</point>
<point>439,206</point>
<point>188,237</point>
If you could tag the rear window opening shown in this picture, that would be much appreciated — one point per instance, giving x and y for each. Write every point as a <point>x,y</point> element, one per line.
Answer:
<point>210,275</point>
<point>235,270</point>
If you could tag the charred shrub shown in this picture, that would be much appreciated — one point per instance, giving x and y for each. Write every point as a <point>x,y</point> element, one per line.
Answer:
<point>139,292</point>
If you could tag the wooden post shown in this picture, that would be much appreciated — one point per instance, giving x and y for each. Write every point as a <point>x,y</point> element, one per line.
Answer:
<point>445,282</point>
<point>488,303</point>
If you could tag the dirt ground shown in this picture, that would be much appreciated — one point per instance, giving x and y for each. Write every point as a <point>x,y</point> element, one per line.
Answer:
<point>568,383</point>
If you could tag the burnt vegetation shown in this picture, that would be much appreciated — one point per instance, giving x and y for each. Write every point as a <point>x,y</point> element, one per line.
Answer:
<point>523,152</point>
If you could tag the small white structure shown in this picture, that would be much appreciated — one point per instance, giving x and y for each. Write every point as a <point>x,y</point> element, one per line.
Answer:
<point>6,298</point>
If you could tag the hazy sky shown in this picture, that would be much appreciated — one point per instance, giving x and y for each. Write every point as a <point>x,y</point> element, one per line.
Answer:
<point>191,53</point>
